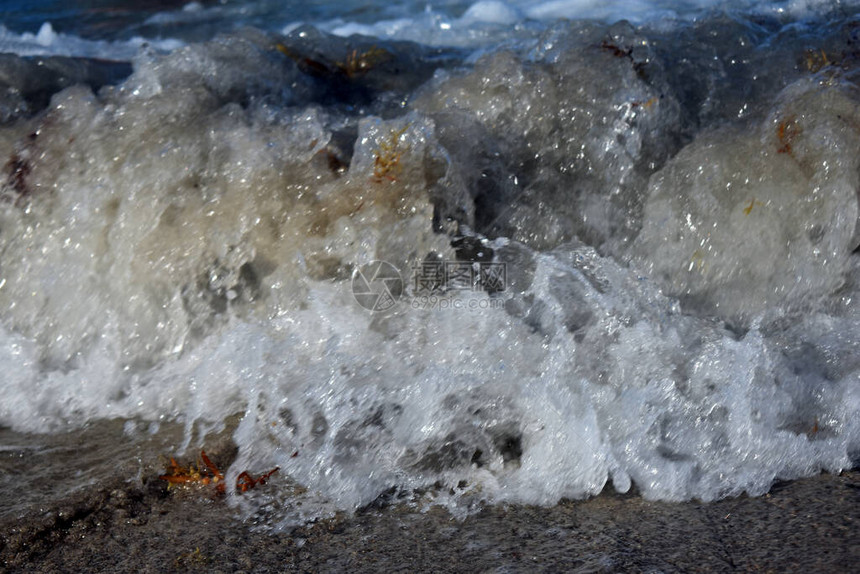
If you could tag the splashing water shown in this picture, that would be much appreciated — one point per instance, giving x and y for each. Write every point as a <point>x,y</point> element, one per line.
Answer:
<point>615,253</point>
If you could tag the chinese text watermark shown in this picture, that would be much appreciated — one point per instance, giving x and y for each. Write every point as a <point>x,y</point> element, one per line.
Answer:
<point>436,284</point>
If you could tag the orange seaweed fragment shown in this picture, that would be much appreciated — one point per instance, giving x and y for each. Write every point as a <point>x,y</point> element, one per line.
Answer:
<point>245,482</point>
<point>206,473</point>
<point>753,202</point>
<point>786,132</point>
<point>816,60</point>
<point>386,158</point>
<point>203,474</point>
<point>646,104</point>
<point>358,63</point>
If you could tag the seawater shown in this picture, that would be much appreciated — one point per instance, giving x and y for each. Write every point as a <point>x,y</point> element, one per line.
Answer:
<point>483,252</point>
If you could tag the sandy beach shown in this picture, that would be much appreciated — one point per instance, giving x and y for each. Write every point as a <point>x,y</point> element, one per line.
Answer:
<point>808,525</point>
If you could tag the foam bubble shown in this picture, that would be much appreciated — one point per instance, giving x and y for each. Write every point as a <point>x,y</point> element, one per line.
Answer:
<point>745,220</point>
<point>493,12</point>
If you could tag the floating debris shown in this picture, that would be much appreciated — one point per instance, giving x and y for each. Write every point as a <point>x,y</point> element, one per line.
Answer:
<point>203,474</point>
<point>386,162</point>
<point>206,473</point>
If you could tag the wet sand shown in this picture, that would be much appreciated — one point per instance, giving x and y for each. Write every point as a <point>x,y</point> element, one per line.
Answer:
<point>810,525</point>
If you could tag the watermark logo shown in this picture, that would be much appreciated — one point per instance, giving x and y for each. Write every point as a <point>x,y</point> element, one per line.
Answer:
<point>445,276</point>
<point>439,284</point>
<point>377,286</point>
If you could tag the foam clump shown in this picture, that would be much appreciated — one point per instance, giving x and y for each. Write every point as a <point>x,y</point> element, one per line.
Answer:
<point>492,12</point>
<point>746,220</point>
<point>597,377</point>
<point>27,84</point>
<point>246,64</point>
<point>578,124</point>
<point>163,207</point>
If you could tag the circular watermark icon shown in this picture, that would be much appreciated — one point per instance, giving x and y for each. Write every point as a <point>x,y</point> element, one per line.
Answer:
<point>377,285</point>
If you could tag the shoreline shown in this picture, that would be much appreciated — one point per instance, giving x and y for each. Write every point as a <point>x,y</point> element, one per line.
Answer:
<point>805,524</point>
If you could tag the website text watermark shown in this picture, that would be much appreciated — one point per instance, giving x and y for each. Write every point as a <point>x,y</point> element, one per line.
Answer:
<point>435,284</point>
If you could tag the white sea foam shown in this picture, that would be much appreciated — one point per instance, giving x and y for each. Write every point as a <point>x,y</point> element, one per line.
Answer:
<point>47,42</point>
<point>488,22</point>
